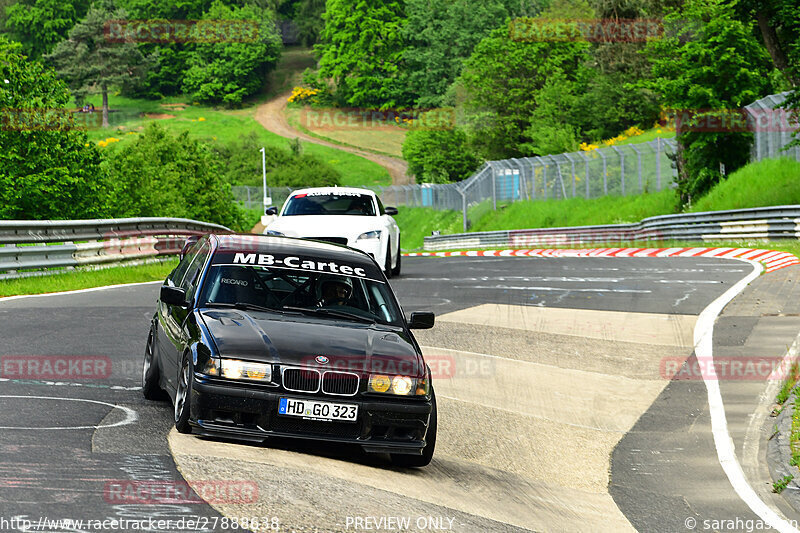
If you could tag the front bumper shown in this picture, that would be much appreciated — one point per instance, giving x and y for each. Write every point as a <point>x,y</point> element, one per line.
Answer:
<point>371,246</point>
<point>251,413</point>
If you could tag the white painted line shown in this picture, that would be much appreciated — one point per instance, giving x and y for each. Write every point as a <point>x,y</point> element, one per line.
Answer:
<point>71,383</point>
<point>130,414</point>
<point>77,291</point>
<point>704,350</point>
<point>550,289</point>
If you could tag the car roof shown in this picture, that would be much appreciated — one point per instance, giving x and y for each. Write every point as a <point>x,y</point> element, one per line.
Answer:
<point>334,190</point>
<point>268,244</point>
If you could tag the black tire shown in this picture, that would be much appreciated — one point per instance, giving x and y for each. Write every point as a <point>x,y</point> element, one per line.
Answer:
<point>387,263</point>
<point>150,372</point>
<point>183,396</point>
<point>417,461</point>
<point>396,269</point>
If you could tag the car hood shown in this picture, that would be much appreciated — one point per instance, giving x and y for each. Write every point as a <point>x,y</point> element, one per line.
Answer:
<point>325,225</point>
<point>297,341</point>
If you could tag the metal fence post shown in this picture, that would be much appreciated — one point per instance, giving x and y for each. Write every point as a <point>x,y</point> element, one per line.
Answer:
<point>639,166</point>
<point>605,171</point>
<point>622,168</point>
<point>658,163</point>
<point>494,188</point>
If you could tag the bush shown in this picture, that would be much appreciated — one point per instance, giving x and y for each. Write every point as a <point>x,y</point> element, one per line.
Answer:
<point>161,175</point>
<point>439,156</point>
<point>241,164</point>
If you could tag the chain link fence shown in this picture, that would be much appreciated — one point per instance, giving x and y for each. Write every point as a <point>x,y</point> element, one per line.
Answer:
<point>609,170</point>
<point>773,128</point>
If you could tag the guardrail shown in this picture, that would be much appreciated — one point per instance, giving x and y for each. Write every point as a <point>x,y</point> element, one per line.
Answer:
<point>761,223</point>
<point>32,247</point>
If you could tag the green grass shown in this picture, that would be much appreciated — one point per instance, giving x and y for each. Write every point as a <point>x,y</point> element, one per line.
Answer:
<point>227,125</point>
<point>85,279</point>
<point>382,140</point>
<point>765,183</point>
<point>788,384</point>
<point>768,182</point>
<point>649,135</point>
<point>418,222</point>
<point>576,212</point>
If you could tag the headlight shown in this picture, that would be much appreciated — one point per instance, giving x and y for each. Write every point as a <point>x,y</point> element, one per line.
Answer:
<point>274,233</point>
<point>398,385</point>
<point>234,369</point>
<point>370,235</point>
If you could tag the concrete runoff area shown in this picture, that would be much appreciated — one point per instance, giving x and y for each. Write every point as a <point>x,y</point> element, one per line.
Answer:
<point>521,443</point>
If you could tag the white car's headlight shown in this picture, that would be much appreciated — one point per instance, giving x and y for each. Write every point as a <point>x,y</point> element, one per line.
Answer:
<point>234,369</point>
<point>369,235</point>
<point>275,233</point>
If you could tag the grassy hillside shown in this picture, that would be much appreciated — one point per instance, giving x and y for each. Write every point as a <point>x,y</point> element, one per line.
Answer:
<point>769,182</point>
<point>577,212</point>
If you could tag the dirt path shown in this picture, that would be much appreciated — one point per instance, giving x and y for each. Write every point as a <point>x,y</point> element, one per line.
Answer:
<point>271,116</point>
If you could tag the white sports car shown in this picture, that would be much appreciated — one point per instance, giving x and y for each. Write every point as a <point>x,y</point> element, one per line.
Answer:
<point>342,215</point>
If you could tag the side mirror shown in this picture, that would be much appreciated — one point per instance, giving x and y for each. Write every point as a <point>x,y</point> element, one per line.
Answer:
<point>173,296</point>
<point>391,211</point>
<point>271,211</point>
<point>421,320</point>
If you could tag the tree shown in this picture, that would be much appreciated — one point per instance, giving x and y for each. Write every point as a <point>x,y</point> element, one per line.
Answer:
<point>309,21</point>
<point>713,65</point>
<point>48,170</point>
<point>91,63</point>
<point>165,175</point>
<point>500,87</point>
<point>440,35</point>
<point>227,72</point>
<point>439,156</point>
<point>41,24</point>
<point>362,51</point>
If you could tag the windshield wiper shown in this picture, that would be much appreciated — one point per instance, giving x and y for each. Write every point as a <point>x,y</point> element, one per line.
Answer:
<point>330,312</point>
<point>243,306</point>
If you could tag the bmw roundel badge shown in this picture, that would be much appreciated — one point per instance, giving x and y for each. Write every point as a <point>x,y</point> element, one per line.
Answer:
<point>321,359</point>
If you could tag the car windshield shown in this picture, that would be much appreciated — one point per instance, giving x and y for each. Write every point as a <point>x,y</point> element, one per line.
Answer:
<point>287,291</point>
<point>350,203</point>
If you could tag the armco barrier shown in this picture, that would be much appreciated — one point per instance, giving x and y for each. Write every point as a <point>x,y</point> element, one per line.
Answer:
<point>761,223</point>
<point>31,247</point>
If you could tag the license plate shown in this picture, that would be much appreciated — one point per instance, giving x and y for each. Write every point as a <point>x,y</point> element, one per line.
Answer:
<point>314,410</point>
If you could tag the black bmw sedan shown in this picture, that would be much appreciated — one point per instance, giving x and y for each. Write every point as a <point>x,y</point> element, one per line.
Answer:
<point>258,336</point>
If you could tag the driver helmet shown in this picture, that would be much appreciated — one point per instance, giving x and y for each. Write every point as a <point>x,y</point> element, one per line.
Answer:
<point>334,287</point>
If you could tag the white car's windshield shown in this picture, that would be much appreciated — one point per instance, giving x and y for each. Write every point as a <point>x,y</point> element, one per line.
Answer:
<point>330,204</point>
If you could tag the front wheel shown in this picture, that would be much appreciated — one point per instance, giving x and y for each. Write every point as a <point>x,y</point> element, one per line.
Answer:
<point>417,461</point>
<point>396,269</point>
<point>183,397</point>
<point>387,264</point>
<point>150,374</point>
